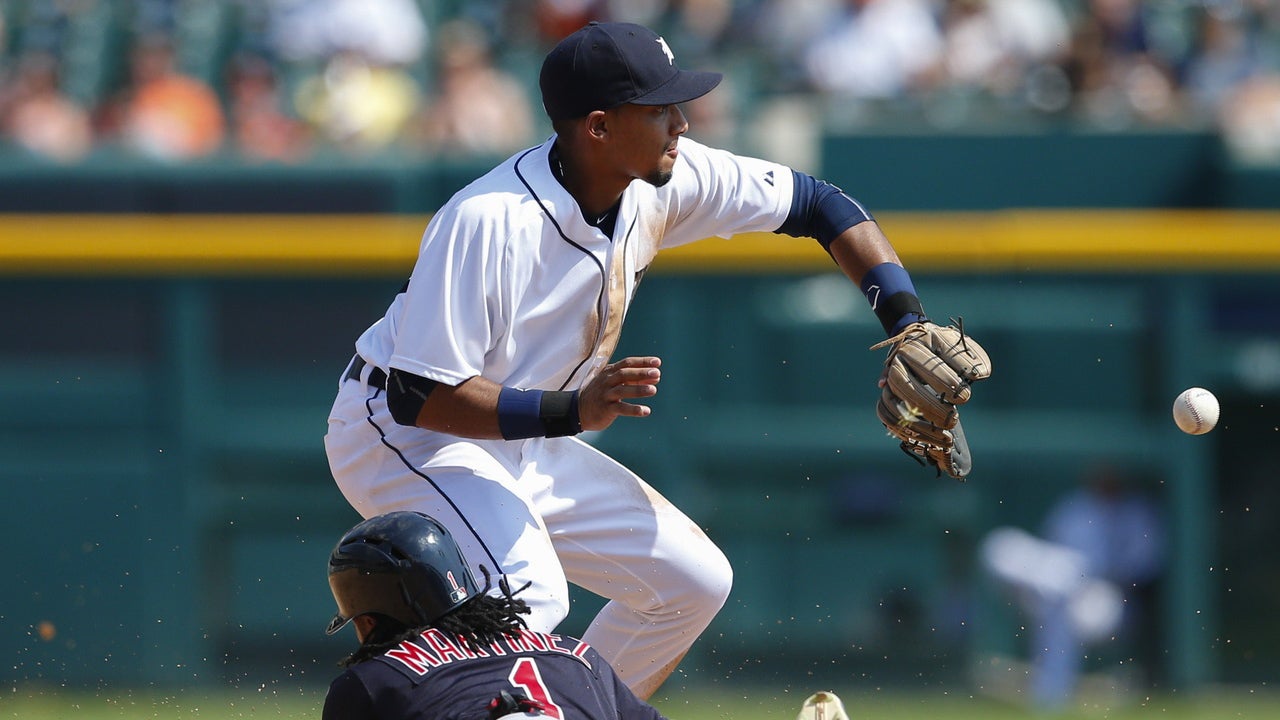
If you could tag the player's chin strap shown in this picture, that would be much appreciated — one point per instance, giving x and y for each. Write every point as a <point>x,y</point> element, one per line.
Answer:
<point>517,705</point>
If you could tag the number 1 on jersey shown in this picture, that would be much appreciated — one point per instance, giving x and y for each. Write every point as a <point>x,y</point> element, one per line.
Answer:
<point>526,676</point>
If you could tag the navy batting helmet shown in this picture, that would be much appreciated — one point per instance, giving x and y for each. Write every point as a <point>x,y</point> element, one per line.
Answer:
<point>403,565</point>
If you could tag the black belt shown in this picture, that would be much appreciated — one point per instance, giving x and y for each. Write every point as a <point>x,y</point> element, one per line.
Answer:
<point>377,378</point>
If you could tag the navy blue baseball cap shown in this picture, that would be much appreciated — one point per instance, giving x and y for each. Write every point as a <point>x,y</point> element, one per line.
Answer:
<point>607,64</point>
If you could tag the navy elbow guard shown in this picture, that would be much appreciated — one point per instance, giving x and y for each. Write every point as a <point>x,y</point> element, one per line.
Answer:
<point>893,298</point>
<point>820,210</point>
<point>406,394</point>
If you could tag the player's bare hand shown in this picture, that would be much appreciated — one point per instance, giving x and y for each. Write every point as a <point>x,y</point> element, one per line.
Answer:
<point>606,396</point>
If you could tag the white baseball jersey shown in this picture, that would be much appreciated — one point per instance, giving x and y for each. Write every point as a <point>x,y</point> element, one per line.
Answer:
<point>512,283</point>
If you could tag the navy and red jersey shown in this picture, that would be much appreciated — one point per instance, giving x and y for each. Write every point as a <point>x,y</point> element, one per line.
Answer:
<point>435,676</point>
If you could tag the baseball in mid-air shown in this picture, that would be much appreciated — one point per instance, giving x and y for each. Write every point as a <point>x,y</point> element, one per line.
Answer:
<point>1195,411</point>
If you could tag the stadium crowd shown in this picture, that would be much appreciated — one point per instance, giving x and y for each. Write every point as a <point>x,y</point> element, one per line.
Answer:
<point>288,81</point>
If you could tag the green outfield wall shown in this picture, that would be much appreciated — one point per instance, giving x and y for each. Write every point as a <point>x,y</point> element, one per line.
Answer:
<point>166,378</point>
<point>905,171</point>
<point>166,403</point>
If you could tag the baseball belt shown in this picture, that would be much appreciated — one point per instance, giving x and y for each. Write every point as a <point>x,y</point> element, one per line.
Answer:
<point>377,378</point>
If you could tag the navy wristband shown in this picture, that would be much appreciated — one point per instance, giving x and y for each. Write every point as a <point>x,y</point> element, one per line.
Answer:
<point>520,414</point>
<point>537,413</point>
<point>893,298</point>
<point>559,413</point>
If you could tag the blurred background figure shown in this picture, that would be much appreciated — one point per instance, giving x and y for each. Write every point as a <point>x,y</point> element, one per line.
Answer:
<point>163,113</point>
<point>875,49</point>
<point>1119,75</point>
<point>382,77</point>
<point>359,106</point>
<point>1232,76</point>
<point>1250,121</point>
<point>995,45</point>
<point>714,120</point>
<point>702,29</point>
<point>350,64</point>
<point>554,19</point>
<point>386,32</point>
<point>261,129</point>
<point>477,108</point>
<point>37,116</point>
<point>1086,581</point>
<point>779,31</point>
<point>1228,49</point>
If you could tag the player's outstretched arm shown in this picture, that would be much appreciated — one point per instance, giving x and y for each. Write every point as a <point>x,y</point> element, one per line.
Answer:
<point>860,248</point>
<point>929,369</point>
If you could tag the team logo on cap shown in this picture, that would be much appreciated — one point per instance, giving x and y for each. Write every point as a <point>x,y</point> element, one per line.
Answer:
<point>666,50</point>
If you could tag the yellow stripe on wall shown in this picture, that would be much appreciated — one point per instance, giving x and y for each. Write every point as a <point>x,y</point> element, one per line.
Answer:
<point>1031,240</point>
<point>1016,240</point>
<point>209,244</point>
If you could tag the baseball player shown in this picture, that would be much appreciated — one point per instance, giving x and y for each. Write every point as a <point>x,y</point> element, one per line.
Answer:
<point>464,399</point>
<point>435,646</point>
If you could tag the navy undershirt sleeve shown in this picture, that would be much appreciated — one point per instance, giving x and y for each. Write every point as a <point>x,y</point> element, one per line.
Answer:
<point>347,699</point>
<point>820,210</point>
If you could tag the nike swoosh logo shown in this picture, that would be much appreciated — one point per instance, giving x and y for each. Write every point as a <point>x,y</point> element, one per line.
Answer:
<point>873,294</point>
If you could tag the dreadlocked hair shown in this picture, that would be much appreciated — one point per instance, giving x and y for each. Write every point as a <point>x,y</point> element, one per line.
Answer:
<point>487,618</point>
<point>482,620</point>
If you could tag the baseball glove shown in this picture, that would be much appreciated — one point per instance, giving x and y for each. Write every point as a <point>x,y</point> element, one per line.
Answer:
<point>927,374</point>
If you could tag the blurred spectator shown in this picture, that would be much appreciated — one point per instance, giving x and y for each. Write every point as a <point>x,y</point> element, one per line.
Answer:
<point>644,12</point>
<point>1250,120</point>
<point>384,32</point>
<point>1116,77</point>
<point>357,104</point>
<point>260,128</point>
<point>353,73</point>
<point>698,27</point>
<point>477,109</point>
<point>779,32</point>
<point>875,49</point>
<point>555,19</point>
<point>1229,50</point>
<point>163,113</point>
<point>1085,581</point>
<point>993,44</point>
<point>713,119</point>
<point>37,116</point>
<point>356,90</point>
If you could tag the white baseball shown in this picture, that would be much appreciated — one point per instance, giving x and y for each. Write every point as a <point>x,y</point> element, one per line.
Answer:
<point>1195,411</point>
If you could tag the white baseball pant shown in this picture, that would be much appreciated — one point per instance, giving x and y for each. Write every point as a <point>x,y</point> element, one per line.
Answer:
<point>549,512</point>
